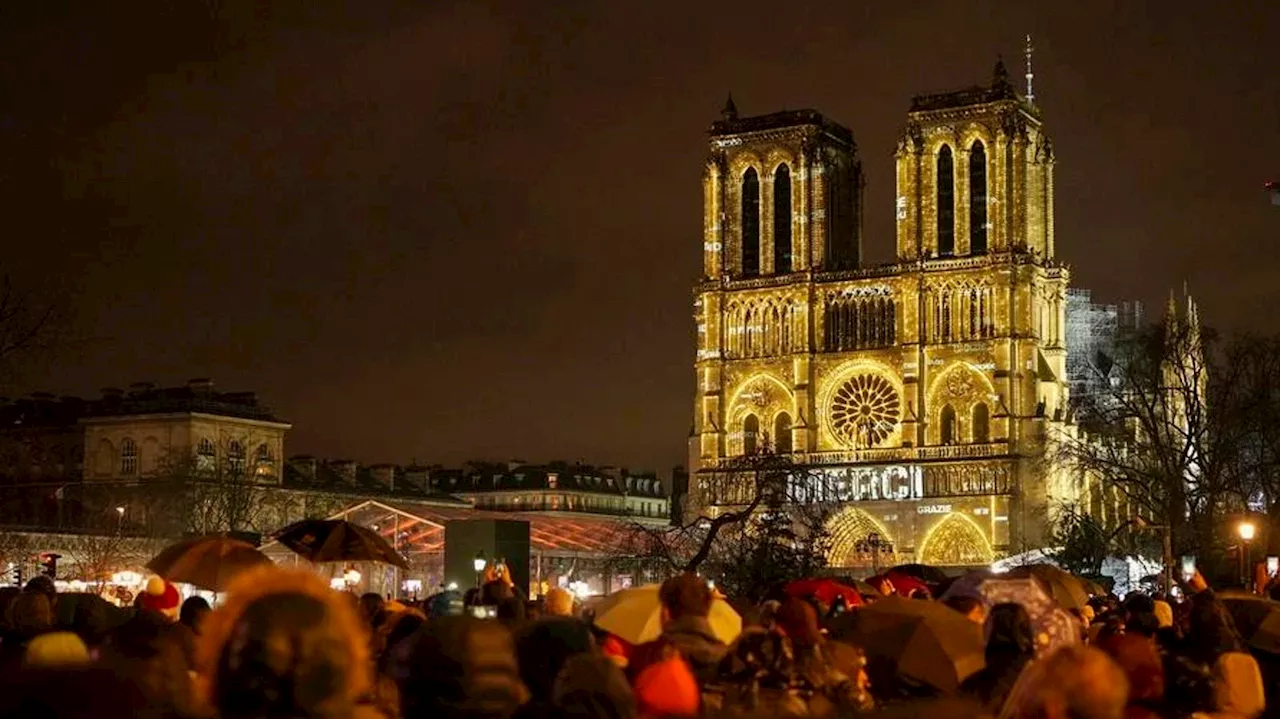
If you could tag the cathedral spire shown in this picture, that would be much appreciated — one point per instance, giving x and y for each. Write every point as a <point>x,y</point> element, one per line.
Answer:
<point>730,111</point>
<point>1031,93</point>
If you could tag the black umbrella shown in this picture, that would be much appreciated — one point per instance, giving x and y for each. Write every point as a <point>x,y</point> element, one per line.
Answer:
<point>1256,618</point>
<point>925,573</point>
<point>924,641</point>
<point>337,540</point>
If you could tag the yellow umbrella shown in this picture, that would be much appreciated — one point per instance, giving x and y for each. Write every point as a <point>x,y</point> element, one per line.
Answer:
<point>635,615</point>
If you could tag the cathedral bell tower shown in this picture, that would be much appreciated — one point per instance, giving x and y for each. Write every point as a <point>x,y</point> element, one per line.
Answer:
<point>974,175</point>
<point>782,194</point>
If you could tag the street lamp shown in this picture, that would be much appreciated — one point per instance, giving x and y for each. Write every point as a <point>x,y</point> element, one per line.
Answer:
<point>479,563</point>
<point>1246,530</point>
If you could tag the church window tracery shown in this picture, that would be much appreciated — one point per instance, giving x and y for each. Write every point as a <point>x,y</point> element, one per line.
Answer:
<point>750,434</point>
<point>853,322</point>
<point>946,202</point>
<point>981,423</point>
<point>782,433</point>
<point>782,220</point>
<point>750,223</point>
<point>947,425</point>
<point>977,198</point>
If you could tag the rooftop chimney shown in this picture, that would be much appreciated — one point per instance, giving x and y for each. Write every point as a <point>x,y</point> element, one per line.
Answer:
<point>346,468</point>
<point>385,476</point>
<point>306,465</point>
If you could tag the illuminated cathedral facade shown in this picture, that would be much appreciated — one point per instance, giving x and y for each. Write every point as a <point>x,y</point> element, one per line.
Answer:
<point>922,391</point>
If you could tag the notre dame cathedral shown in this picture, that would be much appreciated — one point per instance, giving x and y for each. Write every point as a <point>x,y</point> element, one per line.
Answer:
<point>924,390</point>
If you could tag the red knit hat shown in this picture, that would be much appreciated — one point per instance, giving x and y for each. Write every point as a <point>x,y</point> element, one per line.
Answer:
<point>667,689</point>
<point>161,596</point>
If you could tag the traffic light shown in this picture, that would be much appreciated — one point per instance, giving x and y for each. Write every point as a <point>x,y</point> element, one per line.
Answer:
<point>49,562</point>
<point>17,574</point>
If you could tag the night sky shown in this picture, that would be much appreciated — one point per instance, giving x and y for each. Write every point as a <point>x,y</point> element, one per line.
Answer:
<point>443,231</point>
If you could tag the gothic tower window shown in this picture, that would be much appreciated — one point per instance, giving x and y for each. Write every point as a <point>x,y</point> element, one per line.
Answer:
<point>981,423</point>
<point>782,220</point>
<point>947,424</point>
<point>946,202</point>
<point>750,434</point>
<point>782,433</point>
<point>750,223</point>
<point>977,198</point>
<point>128,456</point>
<point>206,455</point>
<point>235,455</point>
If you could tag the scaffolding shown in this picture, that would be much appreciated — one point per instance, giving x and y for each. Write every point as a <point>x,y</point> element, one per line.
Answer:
<point>1093,331</point>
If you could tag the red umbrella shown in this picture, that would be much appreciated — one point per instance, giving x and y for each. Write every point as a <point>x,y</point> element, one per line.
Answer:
<point>902,584</point>
<point>826,590</point>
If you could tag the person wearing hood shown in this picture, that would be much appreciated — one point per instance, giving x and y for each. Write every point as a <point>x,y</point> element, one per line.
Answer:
<point>542,650</point>
<point>1010,647</point>
<point>685,605</point>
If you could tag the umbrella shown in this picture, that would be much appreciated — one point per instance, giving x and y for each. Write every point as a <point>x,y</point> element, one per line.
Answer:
<point>902,583</point>
<point>635,615</point>
<point>1068,589</point>
<point>207,562</point>
<point>826,590</point>
<point>1256,618</point>
<point>924,641</point>
<point>336,540</point>
<point>925,573</point>
<point>864,588</point>
<point>1054,627</point>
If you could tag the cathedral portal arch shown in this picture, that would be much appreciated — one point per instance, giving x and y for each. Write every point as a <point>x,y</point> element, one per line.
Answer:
<point>858,539</point>
<point>956,541</point>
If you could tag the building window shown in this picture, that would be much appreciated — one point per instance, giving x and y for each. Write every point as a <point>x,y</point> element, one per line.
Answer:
<point>235,456</point>
<point>782,220</point>
<point>750,224</point>
<point>750,433</point>
<point>981,423</point>
<point>206,455</point>
<point>946,202</point>
<point>128,457</point>
<point>977,198</point>
<point>782,433</point>
<point>263,461</point>
<point>948,425</point>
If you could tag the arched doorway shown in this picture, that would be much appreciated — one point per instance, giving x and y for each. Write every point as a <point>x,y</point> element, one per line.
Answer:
<point>956,541</point>
<point>858,540</point>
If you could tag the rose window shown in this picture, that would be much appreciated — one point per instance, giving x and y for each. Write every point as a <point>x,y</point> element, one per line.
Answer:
<point>864,410</point>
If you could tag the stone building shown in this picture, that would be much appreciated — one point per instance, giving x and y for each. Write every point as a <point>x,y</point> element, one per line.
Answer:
<point>924,389</point>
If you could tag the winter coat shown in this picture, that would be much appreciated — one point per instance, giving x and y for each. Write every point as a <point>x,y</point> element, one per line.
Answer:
<point>693,639</point>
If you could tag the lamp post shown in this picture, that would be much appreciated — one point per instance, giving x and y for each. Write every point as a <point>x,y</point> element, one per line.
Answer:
<point>1246,530</point>
<point>479,563</point>
<point>119,520</point>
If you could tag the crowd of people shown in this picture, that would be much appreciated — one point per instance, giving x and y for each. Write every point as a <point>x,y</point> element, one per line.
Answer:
<point>283,645</point>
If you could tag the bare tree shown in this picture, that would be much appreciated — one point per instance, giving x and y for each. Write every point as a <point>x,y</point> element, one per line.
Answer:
<point>1184,436</point>
<point>15,548</point>
<point>97,557</point>
<point>759,519</point>
<point>28,326</point>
